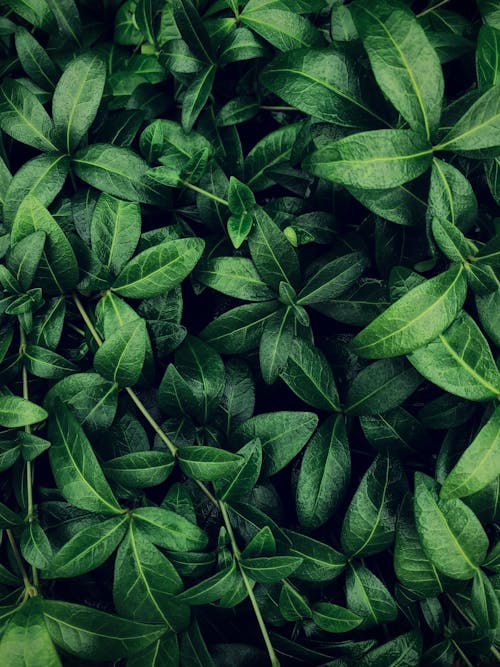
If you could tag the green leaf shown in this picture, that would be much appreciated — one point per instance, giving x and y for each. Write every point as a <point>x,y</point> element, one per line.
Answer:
<point>332,618</point>
<point>372,160</point>
<point>68,19</point>
<point>370,521</point>
<point>203,373</point>
<point>416,318</point>
<point>168,529</point>
<point>382,385</point>
<point>58,268</point>
<point>23,117</point>
<point>478,465</point>
<point>26,639</point>
<point>240,329</point>
<point>324,474</point>
<point>35,546</point>
<point>194,651</point>
<point>211,589</point>
<point>451,197</point>
<point>407,648</point>
<point>320,562</point>
<point>239,227</point>
<point>158,269</point>
<point>274,149</point>
<point>451,534</point>
<point>145,583</point>
<point>460,361</point>
<point>281,27</point>
<point>487,66</point>
<point>121,357</point>
<point>75,467</point>
<point>239,196</point>
<point>282,434</point>
<point>309,376</point>
<point>478,128</point>
<point>196,97</point>
<point>484,602</point>
<point>268,569</point>
<point>275,343</point>
<point>164,651</point>
<point>368,597</point>
<point>293,605</point>
<point>192,29</point>
<point>76,99</point>
<point>16,411</point>
<point>321,83</point>
<point>236,277</point>
<point>91,398</point>
<point>87,549</point>
<point>208,463</point>
<point>47,364</point>
<point>450,240</point>
<point>411,565</point>
<point>117,171</point>
<point>488,308</point>
<point>140,469</point>
<point>333,279</point>
<point>95,635</point>
<point>272,254</point>
<point>115,231</point>
<point>405,65</point>
<point>35,60</point>
<point>24,257</point>
<point>237,485</point>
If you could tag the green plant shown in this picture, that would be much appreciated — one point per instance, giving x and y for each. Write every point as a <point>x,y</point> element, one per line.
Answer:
<point>249,316</point>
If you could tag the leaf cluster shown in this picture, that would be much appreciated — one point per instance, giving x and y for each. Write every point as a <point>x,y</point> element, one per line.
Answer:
<point>249,333</point>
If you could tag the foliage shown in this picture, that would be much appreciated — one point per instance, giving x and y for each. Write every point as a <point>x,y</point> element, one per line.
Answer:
<point>249,317</point>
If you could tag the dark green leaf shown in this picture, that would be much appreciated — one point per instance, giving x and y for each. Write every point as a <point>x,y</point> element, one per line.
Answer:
<point>405,65</point>
<point>450,533</point>
<point>415,319</point>
<point>324,474</point>
<point>76,99</point>
<point>96,635</point>
<point>282,434</point>
<point>75,467</point>
<point>158,269</point>
<point>370,520</point>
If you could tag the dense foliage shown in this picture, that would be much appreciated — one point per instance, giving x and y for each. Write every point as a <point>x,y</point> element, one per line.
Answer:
<point>250,311</point>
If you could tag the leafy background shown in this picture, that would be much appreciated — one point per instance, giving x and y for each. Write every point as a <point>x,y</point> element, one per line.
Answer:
<point>249,321</point>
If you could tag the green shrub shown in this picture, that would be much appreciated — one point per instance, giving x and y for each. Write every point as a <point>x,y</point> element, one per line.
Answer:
<point>249,316</point>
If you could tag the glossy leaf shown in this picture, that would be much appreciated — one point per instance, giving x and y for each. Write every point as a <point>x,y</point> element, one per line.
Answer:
<point>324,474</point>
<point>479,464</point>
<point>158,269</point>
<point>75,466</point>
<point>415,319</point>
<point>405,65</point>
<point>76,99</point>
<point>451,534</point>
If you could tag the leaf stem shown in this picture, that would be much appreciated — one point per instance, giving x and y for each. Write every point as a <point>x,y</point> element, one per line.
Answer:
<point>27,428</point>
<point>151,421</point>
<point>218,503</point>
<point>431,9</point>
<point>237,554</point>
<point>137,401</point>
<point>270,107</point>
<point>208,194</point>
<point>20,565</point>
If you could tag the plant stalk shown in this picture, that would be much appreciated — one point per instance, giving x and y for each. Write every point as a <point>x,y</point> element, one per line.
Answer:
<point>237,554</point>
<point>27,428</point>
